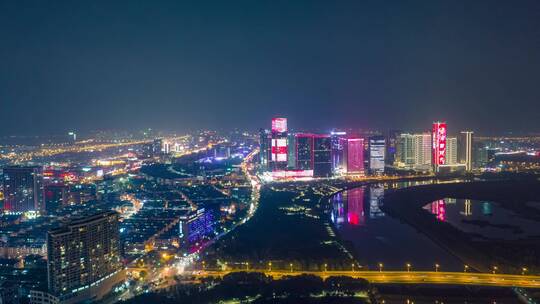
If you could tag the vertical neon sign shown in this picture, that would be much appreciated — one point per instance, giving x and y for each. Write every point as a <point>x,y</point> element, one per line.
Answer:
<point>439,143</point>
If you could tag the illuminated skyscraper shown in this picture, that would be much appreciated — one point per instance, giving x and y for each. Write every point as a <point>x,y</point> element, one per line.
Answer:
<point>264,152</point>
<point>355,156</point>
<point>377,151</point>
<point>465,149</point>
<point>322,156</point>
<point>23,188</point>
<point>339,142</point>
<point>451,151</point>
<point>278,146</point>
<point>304,151</point>
<point>422,145</point>
<point>404,156</point>
<point>439,134</point>
<point>413,151</point>
<point>291,152</point>
<point>391,146</point>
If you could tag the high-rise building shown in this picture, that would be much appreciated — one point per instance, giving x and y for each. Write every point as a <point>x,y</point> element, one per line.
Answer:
<point>339,143</point>
<point>391,146</point>
<point>451,151</point>
<point>377,151</point>
<point>465,149</point>
<point>23,188</point>
<point>480,156</point>
<point>404,156</point>
<point>264,153</point>
<point>83,258</point>
<point>304,151</point>
<point>278,152</point>
<point>413,151</point>
<point>291,151</point>
<point>322,156</point>
<point>355,155</point>
<point>422,150</point>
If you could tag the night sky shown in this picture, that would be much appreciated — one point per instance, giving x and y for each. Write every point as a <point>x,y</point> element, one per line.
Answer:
<point>181,65</point>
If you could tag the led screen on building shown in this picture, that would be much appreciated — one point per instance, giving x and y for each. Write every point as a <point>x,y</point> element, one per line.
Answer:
<point>439,143</point>
<point>279,149</point>
<point>279,125</point>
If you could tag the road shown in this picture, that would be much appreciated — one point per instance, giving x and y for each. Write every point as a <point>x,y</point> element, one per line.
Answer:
<point>404,277</point>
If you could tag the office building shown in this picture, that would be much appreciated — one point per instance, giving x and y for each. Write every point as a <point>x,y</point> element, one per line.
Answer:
<point>304,151</point>
<point>322,156</point>
<point>264,153</point>
<point>83,258</point>
<point>278,152</point>
<point>291,152</point>
<point>377,151</point>
<point>391,146</point>
<point>465,150</point>
<point>339,142</point>
<point>23,188</point>
<point>355,156</point>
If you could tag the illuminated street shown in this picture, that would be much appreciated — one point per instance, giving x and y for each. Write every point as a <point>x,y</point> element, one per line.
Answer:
<point>404,277</point>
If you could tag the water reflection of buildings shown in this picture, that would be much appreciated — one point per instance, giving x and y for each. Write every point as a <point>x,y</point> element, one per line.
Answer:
<point>348,207</point>
<point>376,193</point>
<point>467,211</point>
<point>355,207</point>
<point>338,210</point>
<point>438,208</point>
<point>486,209</point>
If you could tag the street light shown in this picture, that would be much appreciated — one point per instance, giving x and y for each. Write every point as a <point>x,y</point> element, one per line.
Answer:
<point>495,269</point>
<point>325,267</point>
<point>269,266</point>
<point>437,267</point>
<point>203,265</point>
<point>408,267</point>
<point>523,270</point>
<point>380,267</point>
<point>247,266</point>
<point>225,265</point>
<point>352,266</point>
<point>291,266</point>
<point>466,268</point>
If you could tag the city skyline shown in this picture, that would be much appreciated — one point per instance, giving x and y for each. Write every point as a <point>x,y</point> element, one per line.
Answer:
<point>268,152</point>
<point>81,66</point>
